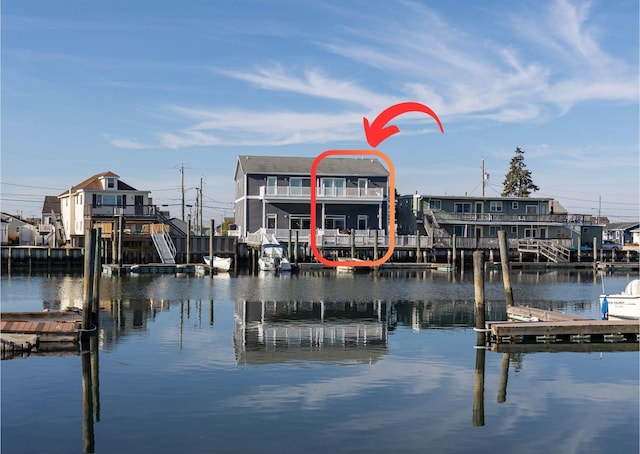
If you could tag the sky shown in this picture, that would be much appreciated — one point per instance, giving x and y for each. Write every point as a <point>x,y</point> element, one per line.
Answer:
<point>144,88</point>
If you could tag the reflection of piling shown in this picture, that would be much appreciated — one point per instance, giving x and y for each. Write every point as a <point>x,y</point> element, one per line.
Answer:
<point>504,261</point>
<point>504,376</point>
<point>87,404</point>
<point>211,312</point>
<point>478,388</point>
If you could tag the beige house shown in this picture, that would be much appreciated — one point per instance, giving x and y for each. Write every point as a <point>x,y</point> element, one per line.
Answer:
<point>97,201</point>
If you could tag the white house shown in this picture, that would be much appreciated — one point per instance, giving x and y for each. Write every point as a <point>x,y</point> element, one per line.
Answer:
<point>97,200</point>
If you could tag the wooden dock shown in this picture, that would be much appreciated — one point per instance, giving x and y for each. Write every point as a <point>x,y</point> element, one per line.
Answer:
<point>538,325</point>
<point>26,332</point>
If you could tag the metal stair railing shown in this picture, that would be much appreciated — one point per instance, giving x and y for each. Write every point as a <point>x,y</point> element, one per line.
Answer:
<point>163,243</point>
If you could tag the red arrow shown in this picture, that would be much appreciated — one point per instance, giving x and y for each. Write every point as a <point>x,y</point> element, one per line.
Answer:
<point>377,131</point>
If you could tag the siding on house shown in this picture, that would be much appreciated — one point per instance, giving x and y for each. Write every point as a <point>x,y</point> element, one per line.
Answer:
<point>273,193</point>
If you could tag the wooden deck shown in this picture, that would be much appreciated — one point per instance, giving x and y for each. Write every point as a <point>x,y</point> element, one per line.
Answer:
<point>27,332</point>
<point>538,325</point>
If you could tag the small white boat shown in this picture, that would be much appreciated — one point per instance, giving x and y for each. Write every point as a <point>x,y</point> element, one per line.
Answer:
<point>273,256</point>
<point>352,268</point>
<point>622,305</point>
<point>219,263</point>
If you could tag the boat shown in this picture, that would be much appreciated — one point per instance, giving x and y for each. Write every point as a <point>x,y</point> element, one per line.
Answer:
<point>219,263</point>
<point>622,305</point>
<point>352,268</point>
<point>272,255</point>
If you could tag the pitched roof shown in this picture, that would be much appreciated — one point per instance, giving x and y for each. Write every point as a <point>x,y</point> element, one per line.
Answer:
<point>51,203</point>
<point>302,166</point>
<point>93,183</point>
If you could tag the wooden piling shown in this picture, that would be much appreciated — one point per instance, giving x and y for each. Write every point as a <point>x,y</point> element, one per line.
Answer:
<point>504,261</point>
<point>454,252</point>
<point>375,244</point>
<point>120,240</point>
<point>478,285</point>
<point>418,254</point>
<point>295,249</point>
<point>188,260</point>
<point>353,243</point>
<point>89,271</point>
<point>211,235</point>
<point>97,269</point>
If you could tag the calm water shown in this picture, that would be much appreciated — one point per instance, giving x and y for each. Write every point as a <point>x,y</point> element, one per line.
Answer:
<point>316,362</point>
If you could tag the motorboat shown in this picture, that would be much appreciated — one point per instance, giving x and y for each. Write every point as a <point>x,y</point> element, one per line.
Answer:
<point>622,305</point>
<point>273,256</point>
<point>352,265</point>
<point>219,263</point>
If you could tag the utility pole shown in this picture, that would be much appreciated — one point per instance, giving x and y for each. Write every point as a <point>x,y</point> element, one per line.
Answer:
<point>182,188</point>
<point>200,226</point>
<point>485,176</point>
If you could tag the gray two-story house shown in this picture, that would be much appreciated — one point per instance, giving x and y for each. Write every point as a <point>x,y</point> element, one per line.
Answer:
<point>479,219</point>
<point>273,195</point>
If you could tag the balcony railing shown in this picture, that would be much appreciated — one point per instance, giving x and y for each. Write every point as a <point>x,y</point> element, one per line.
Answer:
<point>498,218</point>
<point>326,238</point>
<point>115,210</point>
<point>292,192</point>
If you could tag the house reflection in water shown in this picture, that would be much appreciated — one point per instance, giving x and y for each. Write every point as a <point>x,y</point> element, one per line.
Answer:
<point>339,332</point>
<point>123,317</point>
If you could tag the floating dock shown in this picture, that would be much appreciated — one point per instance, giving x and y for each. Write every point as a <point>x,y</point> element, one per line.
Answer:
<point>37,332</point>
<point>539,325</point>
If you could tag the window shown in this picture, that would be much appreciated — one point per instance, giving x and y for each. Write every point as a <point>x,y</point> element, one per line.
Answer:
<point>363,221</point>
<point>514,230</point>
<point>495,206</point>
<point>530,233</point>
<point>493,231</point>
<point>460,230</point>
<point>363,183</point>
<point>333,187</point>
<point>300,222</point>
<point>272,221</point>
<point>514,205</point>
<point>111,183</point>
<point>108,200</point>
<point>272,183</point>
<point>334,222</point>
<point>460,207</point>
<point>532,209</point>
<point>299,186</point>
<point>435,204</point>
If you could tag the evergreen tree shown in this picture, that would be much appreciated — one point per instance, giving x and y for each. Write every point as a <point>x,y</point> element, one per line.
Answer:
<point>518,181</point>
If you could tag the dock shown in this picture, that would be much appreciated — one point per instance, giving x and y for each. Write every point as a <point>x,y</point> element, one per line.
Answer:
<point>158,268</point>
<point>539,325</point>
<point>25,333</point>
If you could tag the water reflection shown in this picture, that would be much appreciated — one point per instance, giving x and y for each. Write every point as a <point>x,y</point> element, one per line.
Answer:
<point>268,332</point>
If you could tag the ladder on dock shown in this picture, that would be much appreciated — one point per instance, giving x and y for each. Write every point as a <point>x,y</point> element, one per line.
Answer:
<point>163,243</point>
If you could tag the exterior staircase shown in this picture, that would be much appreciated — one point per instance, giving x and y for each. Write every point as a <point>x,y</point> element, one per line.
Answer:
<point>164,245</point>
<point>547,248</point>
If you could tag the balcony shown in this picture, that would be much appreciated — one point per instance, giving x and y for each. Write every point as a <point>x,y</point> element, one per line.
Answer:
<point>110,211</point>
<point>296,194</point>
<point>499,218</point>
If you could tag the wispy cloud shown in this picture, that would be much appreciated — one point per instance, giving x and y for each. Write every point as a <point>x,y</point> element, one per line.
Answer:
<point>124,142</point>
<point>553,62</point>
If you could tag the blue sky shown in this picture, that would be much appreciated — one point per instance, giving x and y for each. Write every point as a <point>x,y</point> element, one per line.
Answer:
<point>141,88</point>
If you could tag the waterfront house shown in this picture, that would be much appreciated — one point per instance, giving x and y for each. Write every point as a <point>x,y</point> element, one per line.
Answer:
<point>16,231</point>
<point>620,232</point>
<point>475,221</point>
<point>273,195</point>
<point>131,225</point>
